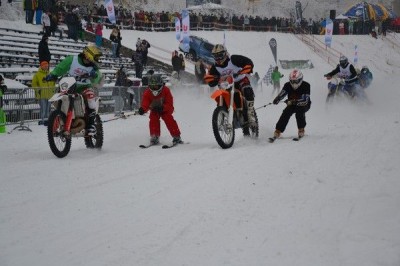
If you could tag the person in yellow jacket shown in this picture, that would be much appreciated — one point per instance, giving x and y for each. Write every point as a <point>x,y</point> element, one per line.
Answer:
<point>44,90</point>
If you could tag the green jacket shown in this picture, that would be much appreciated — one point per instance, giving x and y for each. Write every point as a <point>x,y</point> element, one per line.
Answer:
<point>74,65</point>
<point>38,83</point>
<point>276,76</point>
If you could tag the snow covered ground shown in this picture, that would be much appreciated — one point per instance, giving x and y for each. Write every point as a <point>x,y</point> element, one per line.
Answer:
<point>331,199</point>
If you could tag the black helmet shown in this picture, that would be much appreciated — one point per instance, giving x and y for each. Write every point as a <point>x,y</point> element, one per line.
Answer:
<point>343,61</point>
<point>155,83</point>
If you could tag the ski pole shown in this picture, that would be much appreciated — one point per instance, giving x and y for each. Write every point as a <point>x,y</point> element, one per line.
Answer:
<point>265,105</point>
<point>123,117</point>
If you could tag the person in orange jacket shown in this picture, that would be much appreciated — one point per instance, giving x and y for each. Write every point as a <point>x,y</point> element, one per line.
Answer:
<point>158,99</point>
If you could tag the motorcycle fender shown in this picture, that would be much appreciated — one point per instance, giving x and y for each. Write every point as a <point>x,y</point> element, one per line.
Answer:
<point>56,97</point>
<point>221,93</point>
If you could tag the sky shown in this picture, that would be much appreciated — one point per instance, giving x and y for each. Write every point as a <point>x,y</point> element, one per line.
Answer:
<point>330,199</point>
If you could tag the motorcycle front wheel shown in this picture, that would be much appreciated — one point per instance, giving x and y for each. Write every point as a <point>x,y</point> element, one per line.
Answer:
<point>96,141</point>
<point>59,143</point>
<point>224,132</point>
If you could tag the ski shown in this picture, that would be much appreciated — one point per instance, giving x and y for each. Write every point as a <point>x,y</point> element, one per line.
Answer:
<point>173,145</point>
<point>296,139</point>
<point>271,140</point>
<point>147,146</point>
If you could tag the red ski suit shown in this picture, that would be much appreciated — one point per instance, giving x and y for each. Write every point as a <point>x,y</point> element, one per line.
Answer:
<point>164,99</point>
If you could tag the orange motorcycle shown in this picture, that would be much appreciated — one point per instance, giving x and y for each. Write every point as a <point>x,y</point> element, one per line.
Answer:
<point>228,116</point>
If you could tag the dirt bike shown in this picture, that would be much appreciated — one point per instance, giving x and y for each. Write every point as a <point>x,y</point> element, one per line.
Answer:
<point>227,116</point>
<point>338,90</point>
<point>69,118</point>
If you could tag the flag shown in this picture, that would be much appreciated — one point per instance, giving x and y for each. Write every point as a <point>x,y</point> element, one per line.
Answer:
<point>178,29</point>
<point>268,76</point>
<point>355,54</point>
<point>110,11</point>
<point>185,27</point>
<point>273,45</point>
<point>328,32</point>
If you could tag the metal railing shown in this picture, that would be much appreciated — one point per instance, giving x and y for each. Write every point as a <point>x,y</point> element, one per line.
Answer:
<point>20,104</point>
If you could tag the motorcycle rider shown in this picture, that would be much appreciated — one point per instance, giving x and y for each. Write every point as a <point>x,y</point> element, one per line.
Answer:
<point>347,71</point>
<point>298,102</point>
<point>83,64</point>
<point>240,66</point>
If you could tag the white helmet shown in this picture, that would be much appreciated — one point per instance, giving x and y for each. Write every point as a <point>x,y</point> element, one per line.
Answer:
<point>295,78</point>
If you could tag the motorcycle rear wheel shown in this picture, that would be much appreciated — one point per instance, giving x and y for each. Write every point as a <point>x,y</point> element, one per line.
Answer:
<point>96,141</point>
<point>59,143</point>
<point>224,132</point>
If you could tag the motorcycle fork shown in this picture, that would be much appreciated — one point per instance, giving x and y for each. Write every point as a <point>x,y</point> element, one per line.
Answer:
<point>68,121</point>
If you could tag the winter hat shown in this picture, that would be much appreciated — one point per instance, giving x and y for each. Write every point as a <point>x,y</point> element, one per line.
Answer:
<point>44,64</point>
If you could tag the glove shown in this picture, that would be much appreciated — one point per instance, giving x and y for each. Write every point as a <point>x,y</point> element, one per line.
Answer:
<point>141,111</point>
<point>276,100</point>
<point>158,109</point>
<point>50,77</point>
<point>327,76</point>
<point>93,73</point>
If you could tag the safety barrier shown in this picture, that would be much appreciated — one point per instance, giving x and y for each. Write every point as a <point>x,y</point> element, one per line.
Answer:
<point>20,104</point>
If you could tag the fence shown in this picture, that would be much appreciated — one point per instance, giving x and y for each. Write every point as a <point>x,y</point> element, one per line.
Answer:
<point>20,104</point>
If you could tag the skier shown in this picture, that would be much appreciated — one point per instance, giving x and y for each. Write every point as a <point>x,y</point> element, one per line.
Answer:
<point>159,100</point>
<point>236,64</point>
<point>366,77</point>
<point>83,64</point>
<point>298,102</point>
<point>347,71</point>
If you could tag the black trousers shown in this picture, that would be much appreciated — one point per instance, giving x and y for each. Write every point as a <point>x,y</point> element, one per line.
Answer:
<point>300,113</point>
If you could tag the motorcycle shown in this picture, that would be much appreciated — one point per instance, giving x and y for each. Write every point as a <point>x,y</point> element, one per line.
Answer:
<point>339,90</point>
<point>227,116</point>
<point>69,118</point>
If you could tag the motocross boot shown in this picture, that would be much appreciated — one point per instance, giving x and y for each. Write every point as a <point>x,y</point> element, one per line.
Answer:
<point>91,127</point>
<point>251,114</point>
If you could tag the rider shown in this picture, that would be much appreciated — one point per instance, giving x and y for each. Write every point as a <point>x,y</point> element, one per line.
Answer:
<point>298,102</point>
<point>348,72</point>
<point>83,64</point>
<point>234,64</point>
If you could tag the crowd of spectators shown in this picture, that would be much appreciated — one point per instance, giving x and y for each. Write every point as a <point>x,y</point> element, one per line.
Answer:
<point>165,21</point>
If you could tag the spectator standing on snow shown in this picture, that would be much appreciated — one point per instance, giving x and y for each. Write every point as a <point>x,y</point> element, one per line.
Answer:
<point>43,49</point>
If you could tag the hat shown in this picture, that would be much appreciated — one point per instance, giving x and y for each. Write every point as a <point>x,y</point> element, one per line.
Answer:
<point>44,64</point>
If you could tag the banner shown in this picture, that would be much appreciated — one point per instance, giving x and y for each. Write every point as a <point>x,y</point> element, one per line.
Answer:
<point>355,54</point>
<point>110,11</point>
<point>273,45</point>
<point>185,27</point>
<point>178,29</point>
<point>328,32</point>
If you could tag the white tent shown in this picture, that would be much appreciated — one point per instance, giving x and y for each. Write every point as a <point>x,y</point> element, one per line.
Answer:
<point>341,16</point>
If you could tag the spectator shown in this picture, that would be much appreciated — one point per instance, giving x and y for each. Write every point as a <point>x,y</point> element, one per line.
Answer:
<point>200,71</point>
<point>29,7</point>
<point>137,58</point>
<point>54,25</point>
<point>119,92</point>
<point>119,42</point>
<point>46,23</point>
<point>145,45</point>
<point>43,50</point>
<point>276,80</point>
<point>341,27</point>
<point>183,66</point>
<point>3,89</point>
<point>114,38</point>
<point>99,33</point>
<point>43,91</point>
<point>176,63</point>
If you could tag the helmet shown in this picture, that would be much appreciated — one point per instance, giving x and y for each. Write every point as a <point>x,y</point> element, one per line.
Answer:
<point>155,84</point>
<point>364,69</point>
<point>295,78</point>
<point>92,53</point>
<point>219,53</point>
<point>343,61</point>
